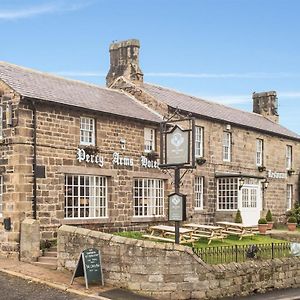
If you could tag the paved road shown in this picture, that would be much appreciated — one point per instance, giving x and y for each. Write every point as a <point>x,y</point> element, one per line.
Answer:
<point>286,294</point>
<point>14,288</point>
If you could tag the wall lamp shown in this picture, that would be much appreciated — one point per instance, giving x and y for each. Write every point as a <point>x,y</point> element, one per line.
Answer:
<point>265,183</point>
<point>241,182</point>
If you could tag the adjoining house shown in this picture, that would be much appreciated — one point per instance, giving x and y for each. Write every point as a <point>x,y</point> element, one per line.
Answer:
<point>75,153</point>
<point>247,160</point>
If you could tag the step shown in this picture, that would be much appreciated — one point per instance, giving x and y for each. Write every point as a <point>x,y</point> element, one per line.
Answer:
<point>48,260</point>
<point>50,254</point>
<point>46,265</point>
<point>52,249</point>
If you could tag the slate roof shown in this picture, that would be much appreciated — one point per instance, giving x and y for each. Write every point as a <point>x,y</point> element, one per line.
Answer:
<point>216,111</point>
<point>34,84</point>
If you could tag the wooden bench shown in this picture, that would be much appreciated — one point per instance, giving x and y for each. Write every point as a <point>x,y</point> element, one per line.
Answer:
<point>237,229</point>
<point>155,237</point>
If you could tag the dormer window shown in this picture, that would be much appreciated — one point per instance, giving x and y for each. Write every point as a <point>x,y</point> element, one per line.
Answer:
<point>87,131</point>
<point>149,139</point>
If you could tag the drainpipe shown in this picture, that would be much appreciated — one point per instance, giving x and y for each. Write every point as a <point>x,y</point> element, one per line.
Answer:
<point>34,165</point>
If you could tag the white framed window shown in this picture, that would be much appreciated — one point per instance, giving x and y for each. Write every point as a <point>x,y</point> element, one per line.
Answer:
<point>259,152</point>
<point>199,180</point>
<point>87,131</point>
<point>85,197</point>
<point>1,196</point>
<point>198,141</point>
<point>1,122</point>
<point>288,157</point>
<point>289,196</point>
<point>227,190</point>
<point>149,139</point>
<point>148,197</point>
<point>226,146</point>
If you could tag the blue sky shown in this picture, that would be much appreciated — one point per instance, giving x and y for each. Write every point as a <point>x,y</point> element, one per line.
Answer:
<point>221,50</point>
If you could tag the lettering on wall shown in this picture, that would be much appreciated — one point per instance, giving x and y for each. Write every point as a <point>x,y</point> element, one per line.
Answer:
<point>117,159</point>
<point>147,163</point>
<point>121,161</point>
<point>277,175</point>
<point>89,158</point>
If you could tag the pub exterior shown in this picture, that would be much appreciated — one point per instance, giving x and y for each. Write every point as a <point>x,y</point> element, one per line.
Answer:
<point>76,153</point>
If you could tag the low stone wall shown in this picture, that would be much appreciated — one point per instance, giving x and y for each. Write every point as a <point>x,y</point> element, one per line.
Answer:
<point>168,271</point>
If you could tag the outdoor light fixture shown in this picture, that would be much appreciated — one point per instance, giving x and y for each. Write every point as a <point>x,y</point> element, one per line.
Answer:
<point>242,182</point>
<point>265,183</point>
<point>122,142</point>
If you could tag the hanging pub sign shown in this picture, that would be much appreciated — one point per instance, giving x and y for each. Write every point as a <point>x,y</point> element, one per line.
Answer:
<point>178,146</point>
<point>177,207</point>
<point>89,267</point>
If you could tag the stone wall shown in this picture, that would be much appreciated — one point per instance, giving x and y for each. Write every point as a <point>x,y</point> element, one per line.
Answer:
<point>168,271</point>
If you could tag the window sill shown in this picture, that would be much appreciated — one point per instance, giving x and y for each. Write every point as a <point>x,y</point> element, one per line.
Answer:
<point>198,209</point>
<point>84,221</point>
<point>148,219</point>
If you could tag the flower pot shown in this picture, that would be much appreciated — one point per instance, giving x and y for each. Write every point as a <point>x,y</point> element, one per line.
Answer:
<point>270,225</point>
<point>262,228</point>
<point>291,226</point>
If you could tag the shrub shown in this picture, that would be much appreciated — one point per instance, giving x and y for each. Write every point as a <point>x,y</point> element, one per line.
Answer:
<point>292,220</point>
<point>294,212</point>
<point>262,221</point>
<point>269,216</point>
<point>238,217</point>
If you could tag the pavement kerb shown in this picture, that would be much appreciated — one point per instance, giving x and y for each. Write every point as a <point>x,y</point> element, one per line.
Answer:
<point>61,287</point>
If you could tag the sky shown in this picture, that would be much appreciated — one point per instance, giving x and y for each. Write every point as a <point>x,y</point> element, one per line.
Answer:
<point>219,50</point>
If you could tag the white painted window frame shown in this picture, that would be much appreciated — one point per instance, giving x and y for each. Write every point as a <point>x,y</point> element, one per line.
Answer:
<point>148,197</point>
<point>1,196</point>
<point>259,152</point>
<point>227,137</point>
<point>289,196</point>
<point>85,197</point>
<point>225,185</point>
<point>199,141</point>
<point>198,190</point>
<point>149,139</point>
<point>288,156</point>
<point>87,131</point>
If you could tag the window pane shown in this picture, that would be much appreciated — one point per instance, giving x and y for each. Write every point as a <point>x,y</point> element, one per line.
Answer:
<point>85,196</point>
<point>87,131</point>
<point>148,197</point>
<point>227,193</point>
<point>199,192</point>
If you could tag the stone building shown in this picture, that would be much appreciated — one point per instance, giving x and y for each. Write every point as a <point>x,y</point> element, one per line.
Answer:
<point>76,153</point>
<point>246,160</point>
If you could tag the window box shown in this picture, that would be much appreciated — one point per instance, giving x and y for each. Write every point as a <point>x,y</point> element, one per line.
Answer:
<point>152,155</point>
<point>91,150</point>
<point>261,168</point>
<point>200,161</point>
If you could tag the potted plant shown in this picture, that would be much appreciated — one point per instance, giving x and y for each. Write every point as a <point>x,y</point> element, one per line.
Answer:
<point>262,225</point>
<point>269,219</point>
<point>291,223</point>
<point>238,217</point>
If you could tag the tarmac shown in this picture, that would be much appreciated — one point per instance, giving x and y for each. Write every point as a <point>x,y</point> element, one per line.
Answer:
<point>58,279</point>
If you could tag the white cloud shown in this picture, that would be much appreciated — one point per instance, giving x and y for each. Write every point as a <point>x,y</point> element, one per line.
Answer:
<point>31,11</point>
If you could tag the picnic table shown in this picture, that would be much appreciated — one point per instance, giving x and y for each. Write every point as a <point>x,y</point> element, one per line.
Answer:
<point>208,231</point>
<point>167,233</point>
<point>238,229</point>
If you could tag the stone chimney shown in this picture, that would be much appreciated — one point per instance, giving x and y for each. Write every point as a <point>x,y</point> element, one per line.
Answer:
<point>124,61</point>
<point>266,104</point>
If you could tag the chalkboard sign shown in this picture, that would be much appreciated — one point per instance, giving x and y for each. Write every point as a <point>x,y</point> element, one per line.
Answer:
<point>89,266</point>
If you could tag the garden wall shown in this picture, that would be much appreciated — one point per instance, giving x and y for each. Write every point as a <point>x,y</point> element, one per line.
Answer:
<point>168,271</point>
